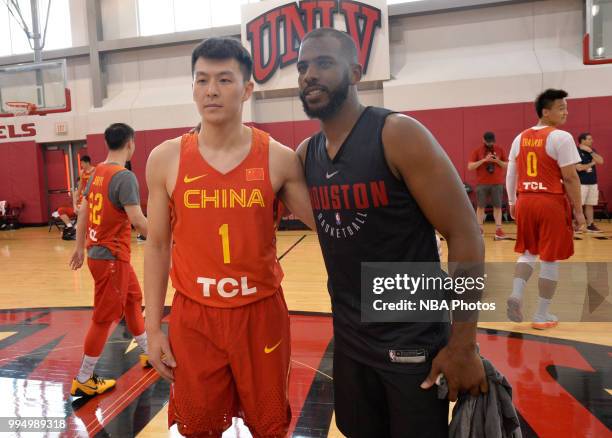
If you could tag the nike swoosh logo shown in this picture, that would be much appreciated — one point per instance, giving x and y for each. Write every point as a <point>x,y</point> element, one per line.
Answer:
<point>329,175</point>
<point>270,350</point>
<point>94,388</point>
<point>187,180</point>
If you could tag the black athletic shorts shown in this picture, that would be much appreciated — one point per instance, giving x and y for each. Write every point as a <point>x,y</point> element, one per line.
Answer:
<point>372,403</point>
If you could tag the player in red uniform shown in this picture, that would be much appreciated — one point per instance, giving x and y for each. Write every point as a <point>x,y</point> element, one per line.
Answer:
<point>67,214</point>
<point>542,169</point>
<point>113,203</point>
<point>211,208</point>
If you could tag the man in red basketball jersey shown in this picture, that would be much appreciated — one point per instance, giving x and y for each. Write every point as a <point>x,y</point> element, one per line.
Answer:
<point>542,169</point>
<point>211,212</point>
<point>113,203</point>
<point>66,214</point>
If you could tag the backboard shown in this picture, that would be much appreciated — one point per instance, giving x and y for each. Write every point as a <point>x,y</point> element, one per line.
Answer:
<point>597,42</point>
<point>40,83</point>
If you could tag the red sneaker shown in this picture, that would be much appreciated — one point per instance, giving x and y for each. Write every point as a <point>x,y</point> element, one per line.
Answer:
<point>499,234</point>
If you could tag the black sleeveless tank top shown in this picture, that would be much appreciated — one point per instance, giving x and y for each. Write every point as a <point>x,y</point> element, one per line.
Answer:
<point>365,214</point>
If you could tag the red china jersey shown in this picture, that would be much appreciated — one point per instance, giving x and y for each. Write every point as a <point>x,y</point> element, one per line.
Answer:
<point>223,228</point>
<point>537,171</point>
<point>107,225</point>
<point>84,178</point>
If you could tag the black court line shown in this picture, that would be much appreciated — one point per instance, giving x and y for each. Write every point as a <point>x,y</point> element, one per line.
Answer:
<point>291,247</point>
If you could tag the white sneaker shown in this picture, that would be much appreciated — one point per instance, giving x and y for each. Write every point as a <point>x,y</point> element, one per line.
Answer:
<point>544,322</point>
<point>515,309</point>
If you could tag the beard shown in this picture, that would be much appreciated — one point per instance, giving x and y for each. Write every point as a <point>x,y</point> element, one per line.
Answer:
<point>336,99</point>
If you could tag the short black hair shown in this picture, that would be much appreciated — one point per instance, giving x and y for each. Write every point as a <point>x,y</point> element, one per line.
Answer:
<point>583,136</point>
<point>117,135</point>
<point>85,159</point>
<point>489,136</point>
<point>545,99</point>
<point>347,45</point>
<point>224,48</point>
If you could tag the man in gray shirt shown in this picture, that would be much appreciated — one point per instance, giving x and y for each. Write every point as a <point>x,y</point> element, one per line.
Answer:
<point>112,204</point>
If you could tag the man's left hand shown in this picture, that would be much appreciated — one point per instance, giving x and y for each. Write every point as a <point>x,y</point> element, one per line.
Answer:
<point>463,370</point>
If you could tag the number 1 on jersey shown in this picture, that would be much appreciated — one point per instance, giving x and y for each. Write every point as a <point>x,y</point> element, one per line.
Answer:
<point>224,233</point>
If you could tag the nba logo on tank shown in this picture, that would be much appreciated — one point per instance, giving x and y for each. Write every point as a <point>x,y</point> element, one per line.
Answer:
<point>272,32</point>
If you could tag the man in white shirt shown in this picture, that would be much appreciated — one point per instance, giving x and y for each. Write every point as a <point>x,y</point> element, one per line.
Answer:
<point>542,169</point>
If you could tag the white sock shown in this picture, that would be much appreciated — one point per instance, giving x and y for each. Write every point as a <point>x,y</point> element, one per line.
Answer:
<point>518,287</point>
<point>542,311</point>
<point>141,340</point>
<point>87,367</point>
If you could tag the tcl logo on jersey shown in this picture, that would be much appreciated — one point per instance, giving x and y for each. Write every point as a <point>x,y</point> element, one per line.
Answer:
<point>533,185</point>
<point>15,131</point>
<point>289,23</point>
<point>226,287</point>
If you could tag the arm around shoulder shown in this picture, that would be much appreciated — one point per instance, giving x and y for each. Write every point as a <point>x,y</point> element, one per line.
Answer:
<point>293,192</point>
<point>302,149</point>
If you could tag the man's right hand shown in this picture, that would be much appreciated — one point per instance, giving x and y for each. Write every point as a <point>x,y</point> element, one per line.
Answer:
<point>160,354</point>
<point>76,261</point>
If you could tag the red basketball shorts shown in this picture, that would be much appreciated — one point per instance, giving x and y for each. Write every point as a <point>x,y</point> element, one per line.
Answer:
<point>115,284</point>
<point>68,211</point>
<point>544,226</point>
<point>230,363</point>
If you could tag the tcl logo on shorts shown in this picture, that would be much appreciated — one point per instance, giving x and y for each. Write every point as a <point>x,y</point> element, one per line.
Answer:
<point>14,131</point>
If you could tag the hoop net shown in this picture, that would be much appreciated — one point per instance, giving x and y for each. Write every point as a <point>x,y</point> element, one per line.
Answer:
<point>20,108</point>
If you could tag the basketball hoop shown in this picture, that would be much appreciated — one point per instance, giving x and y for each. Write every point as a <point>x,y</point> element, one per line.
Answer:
<point>20,108</point>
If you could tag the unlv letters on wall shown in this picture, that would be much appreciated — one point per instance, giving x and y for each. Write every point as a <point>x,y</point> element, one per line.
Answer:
<point>272,31</point>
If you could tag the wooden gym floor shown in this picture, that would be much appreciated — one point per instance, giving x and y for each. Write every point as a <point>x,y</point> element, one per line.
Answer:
<point>562,378</point>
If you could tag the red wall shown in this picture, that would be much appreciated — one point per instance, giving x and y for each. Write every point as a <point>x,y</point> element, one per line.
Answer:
<point>459,131</point>
<point>22,179</point>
